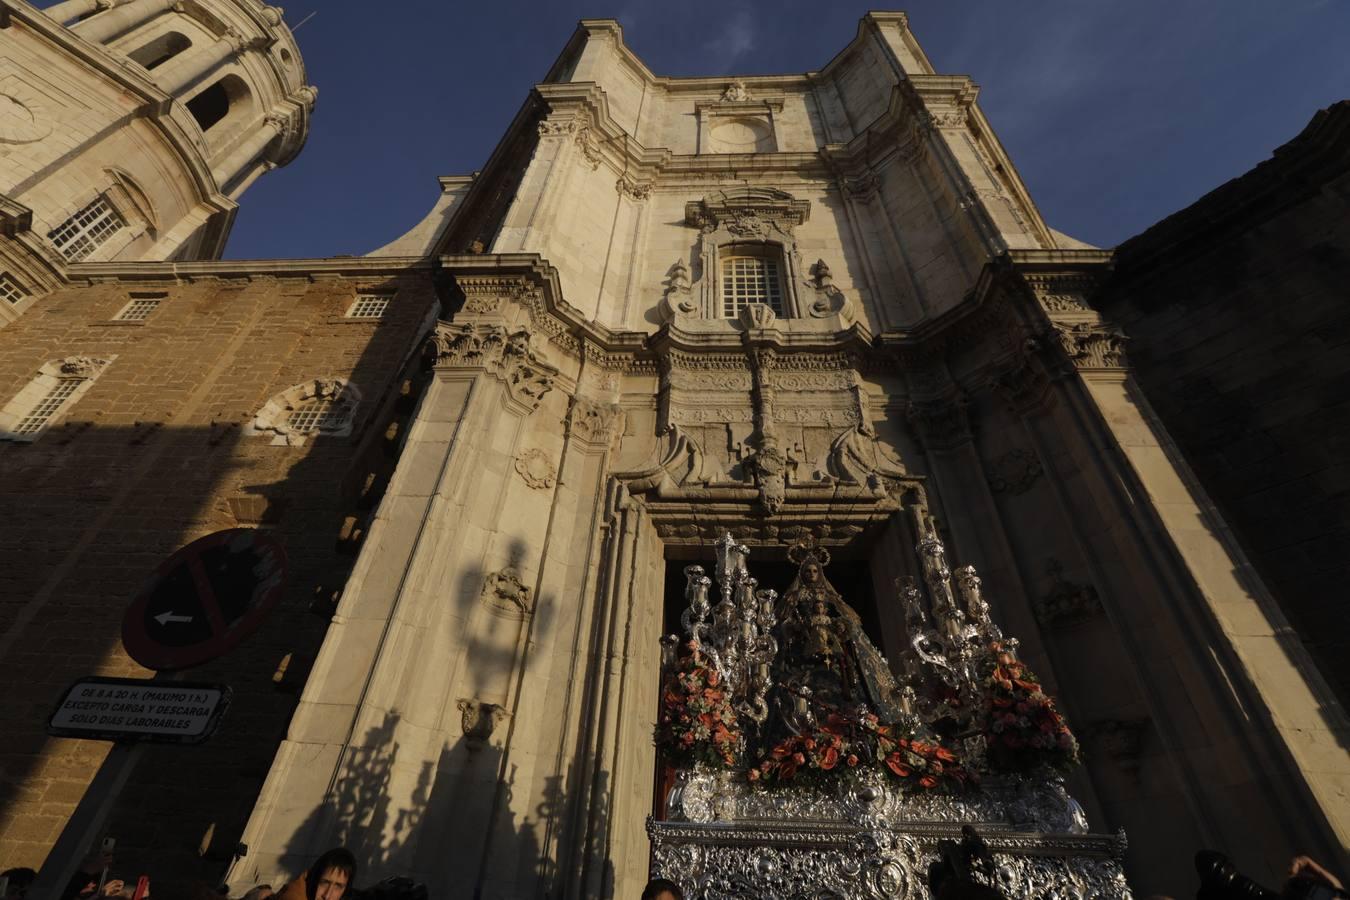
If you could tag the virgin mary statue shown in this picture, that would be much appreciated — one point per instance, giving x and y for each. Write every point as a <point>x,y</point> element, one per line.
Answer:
<point>826,663</point>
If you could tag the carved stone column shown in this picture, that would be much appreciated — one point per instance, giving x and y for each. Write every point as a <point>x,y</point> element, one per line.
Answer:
<point>1169,579</point>
<point>120,19</point>
<point>414,694</point>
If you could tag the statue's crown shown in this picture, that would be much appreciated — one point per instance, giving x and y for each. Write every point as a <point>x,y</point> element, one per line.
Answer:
<point>807,548</point>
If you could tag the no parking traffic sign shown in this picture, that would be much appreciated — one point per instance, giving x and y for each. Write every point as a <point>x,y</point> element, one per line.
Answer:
<point>204,599</point>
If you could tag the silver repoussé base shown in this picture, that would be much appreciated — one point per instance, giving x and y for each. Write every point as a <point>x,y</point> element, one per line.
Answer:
<point>727,839</point>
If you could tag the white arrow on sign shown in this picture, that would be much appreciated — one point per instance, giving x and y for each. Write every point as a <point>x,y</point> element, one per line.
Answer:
<point>165,618</point>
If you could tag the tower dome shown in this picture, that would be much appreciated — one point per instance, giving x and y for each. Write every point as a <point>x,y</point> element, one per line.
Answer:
<point>130,128</point>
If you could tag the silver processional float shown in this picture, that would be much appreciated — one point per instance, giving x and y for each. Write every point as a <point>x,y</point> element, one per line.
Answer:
<point>803,767</point>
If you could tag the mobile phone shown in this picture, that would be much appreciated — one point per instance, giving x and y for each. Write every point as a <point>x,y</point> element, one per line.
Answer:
<point>142,888</point>
<point>108,844</point>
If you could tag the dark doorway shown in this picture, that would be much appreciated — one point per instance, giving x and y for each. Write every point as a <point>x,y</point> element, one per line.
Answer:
<point>849,573</point>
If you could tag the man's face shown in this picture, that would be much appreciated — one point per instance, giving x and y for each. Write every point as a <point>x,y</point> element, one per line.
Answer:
<point>332,885</point>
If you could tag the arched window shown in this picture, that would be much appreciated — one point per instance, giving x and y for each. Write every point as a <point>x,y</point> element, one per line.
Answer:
<point>215,103</point>
<point>48,397</point>
<point>751,274</point>
<point>160,50</point>
<point>325,406</point>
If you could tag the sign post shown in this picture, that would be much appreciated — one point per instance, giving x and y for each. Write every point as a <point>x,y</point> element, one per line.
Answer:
<point>198,605</point>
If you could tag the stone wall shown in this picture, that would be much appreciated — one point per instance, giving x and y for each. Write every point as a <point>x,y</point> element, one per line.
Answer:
<point>154,455</point>
<point>1238,323</point>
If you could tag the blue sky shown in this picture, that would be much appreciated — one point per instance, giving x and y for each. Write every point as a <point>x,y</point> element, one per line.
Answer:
<point>1116,113</point>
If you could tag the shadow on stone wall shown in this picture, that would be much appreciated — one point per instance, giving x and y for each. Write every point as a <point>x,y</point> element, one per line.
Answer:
<point>104,505</point>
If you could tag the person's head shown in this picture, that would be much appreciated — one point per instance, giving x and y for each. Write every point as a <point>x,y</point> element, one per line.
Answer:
<point>19,881</point>
<point>261,892</point>
<point>331,875</point>
<point>661,889</point>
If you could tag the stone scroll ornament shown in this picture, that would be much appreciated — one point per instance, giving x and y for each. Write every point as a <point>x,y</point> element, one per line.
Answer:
<point>791,690</point>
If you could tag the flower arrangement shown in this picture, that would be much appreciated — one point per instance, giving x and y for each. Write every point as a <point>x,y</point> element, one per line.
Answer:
<point>843,746</point>
<point>698,722</point>
<point>1023,729</point>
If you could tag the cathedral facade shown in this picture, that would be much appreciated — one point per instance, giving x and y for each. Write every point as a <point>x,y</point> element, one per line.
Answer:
<point>666,309</point>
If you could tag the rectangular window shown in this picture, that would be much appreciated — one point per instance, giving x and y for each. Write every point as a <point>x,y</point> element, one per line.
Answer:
<point>87,230</point>
<point>139,309</point>
<point>369,306</point>
<point>40,415</point>
<point>328,414</point>
<point>749,279</point>
<point>10,290</point>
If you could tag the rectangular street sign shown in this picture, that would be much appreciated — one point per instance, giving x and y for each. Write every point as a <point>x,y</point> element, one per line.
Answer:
<point>136,709</point>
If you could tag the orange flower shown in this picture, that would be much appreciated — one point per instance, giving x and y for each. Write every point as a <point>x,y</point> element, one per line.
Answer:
<point>895,765</point>
<point>852,759</point>
<point>829,758</point>
<point>928,781</point>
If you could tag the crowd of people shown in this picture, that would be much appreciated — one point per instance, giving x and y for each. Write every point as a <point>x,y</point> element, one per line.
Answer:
<point>333,877</point>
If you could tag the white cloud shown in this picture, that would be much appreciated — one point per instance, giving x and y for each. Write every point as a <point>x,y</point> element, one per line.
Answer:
<point>733,38</point>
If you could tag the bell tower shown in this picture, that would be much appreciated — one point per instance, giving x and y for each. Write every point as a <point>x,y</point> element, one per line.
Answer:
<point>130,128</point>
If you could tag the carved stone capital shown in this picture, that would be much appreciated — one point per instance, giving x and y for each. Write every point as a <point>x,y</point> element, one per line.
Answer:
<point>477,345</point>
<point>1092,346</point>
<point>592,424</point>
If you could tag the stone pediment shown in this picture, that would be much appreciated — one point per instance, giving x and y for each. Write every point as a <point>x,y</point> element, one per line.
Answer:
<point>747,209</point>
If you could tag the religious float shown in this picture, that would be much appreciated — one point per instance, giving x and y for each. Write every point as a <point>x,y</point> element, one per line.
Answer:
<point>803,766</point>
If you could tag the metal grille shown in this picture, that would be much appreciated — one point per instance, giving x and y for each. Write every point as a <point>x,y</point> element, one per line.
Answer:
<point>82,233</point>
<point>139,309</point>
<point>10,290</point>
<point>749,279</point>
<point>326,414</point>
<point>369,306</point>
<point>40,415</point>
